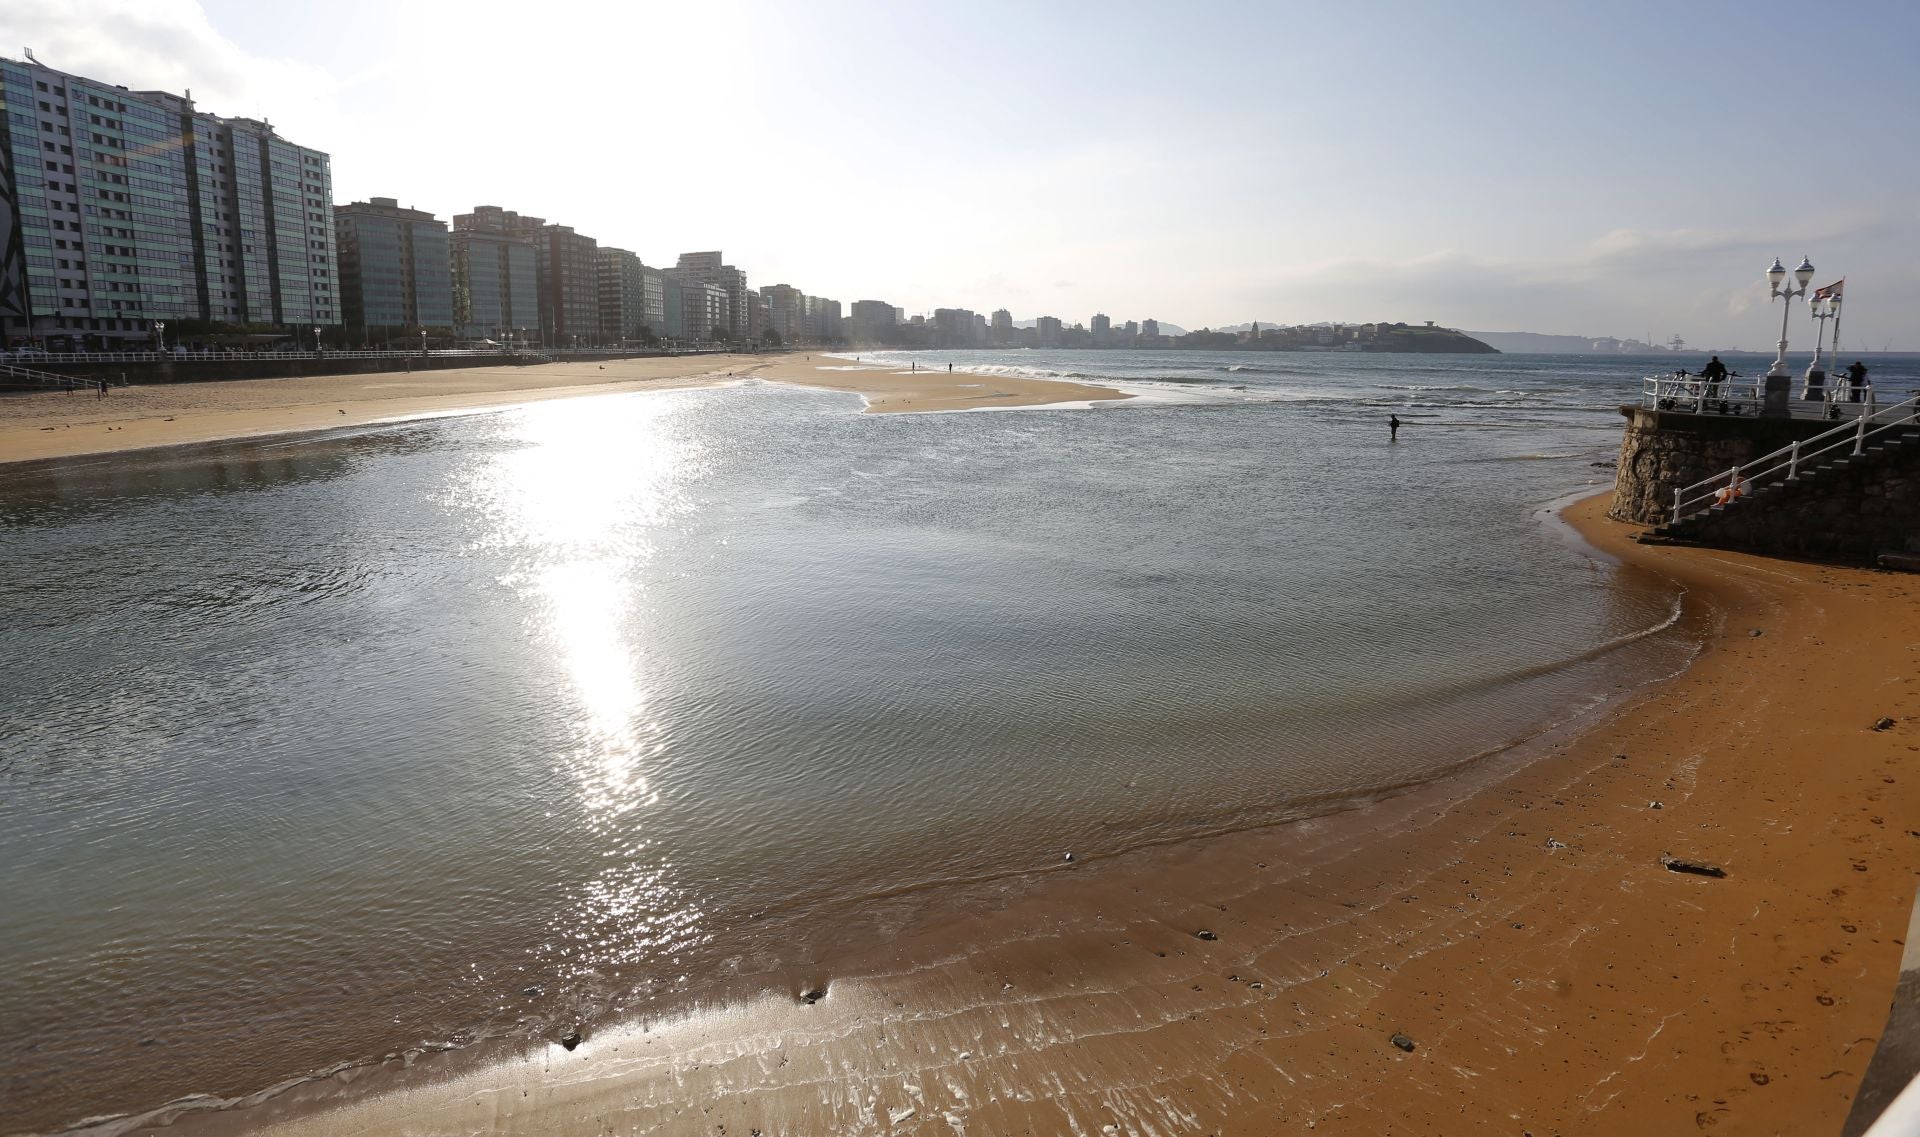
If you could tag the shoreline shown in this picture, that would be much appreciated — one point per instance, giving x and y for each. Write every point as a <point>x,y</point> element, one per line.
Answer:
<point>1515,922</point>
<point>38,426</point>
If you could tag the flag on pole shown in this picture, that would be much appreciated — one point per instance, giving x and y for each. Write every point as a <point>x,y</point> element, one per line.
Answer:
<point>1830,290</point>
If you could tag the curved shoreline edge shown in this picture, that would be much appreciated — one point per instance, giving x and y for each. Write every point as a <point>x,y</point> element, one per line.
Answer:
<point>51,425</point>
<point>1525,937</point>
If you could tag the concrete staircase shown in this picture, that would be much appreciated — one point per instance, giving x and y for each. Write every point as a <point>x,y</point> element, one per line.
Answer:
<point>1809,479</point>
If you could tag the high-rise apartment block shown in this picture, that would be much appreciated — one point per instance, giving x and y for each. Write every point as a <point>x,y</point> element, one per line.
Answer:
<point>120,208</point>
<point>566,269</point>
<point>496,275</point>
<point>627,305</point>
<point>873,322</point>
<point>569,266</point>
<point>694,307</point>
<point>786,311</point>
<point>707,268</point>
<point>952,327</point>
<point>823,319</point>
<point>496,287</point>
<point>395,270</point>
<point>653,299</point>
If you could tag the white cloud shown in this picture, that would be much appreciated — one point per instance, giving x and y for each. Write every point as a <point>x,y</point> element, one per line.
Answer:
<point>171,45</point>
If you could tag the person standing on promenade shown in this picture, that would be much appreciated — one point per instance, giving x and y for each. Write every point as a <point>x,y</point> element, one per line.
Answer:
<point>1393,428</point>
<point>1857,382</point>
<point>1715,373</point>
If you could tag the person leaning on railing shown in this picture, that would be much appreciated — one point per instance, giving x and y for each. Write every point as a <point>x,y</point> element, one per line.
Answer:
<point>1857,382</point>
<point>1714,373</point>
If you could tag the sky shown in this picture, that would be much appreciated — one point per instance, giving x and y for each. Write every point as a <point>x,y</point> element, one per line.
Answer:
<point>1618,168</point>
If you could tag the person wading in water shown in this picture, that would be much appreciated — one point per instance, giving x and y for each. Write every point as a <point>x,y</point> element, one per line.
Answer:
<point>1393,426</point>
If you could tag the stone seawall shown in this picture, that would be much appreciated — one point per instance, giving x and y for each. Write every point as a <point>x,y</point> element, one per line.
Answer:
<point>1662,451</point>
<point>1852,512</point>
<point>191,370</point>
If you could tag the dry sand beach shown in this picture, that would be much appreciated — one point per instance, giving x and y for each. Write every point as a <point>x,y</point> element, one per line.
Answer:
<point>57,424</point>
<point>1514,924</point>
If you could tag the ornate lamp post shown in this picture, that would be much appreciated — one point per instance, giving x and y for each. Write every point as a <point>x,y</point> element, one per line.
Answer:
<point>160,334</point>
<point>1824,308</point>
<point>316,339</point>
<point>1775,276</point>
<point>423,341</point>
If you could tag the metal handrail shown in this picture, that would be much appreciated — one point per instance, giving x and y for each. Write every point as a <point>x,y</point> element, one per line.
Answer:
<point>12,375</point>
<point>1736,395</point>
<point>1783,465</point>
<point>217,354</point>
<point>1732,395</point>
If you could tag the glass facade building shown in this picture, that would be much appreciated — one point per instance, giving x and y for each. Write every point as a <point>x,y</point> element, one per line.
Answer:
<point>499,289</point>
<point>395,271</point>
<point>120,208</point>
<point>626,303</point>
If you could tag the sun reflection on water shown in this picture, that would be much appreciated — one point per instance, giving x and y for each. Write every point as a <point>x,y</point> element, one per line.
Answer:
<point>577,501</point>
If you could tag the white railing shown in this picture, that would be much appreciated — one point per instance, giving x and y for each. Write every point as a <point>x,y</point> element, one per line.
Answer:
<point>1737,396</point>
<point>13,375</point>
<point>1785,464</point>
<point>217,355</point>
<point>1681,392</point>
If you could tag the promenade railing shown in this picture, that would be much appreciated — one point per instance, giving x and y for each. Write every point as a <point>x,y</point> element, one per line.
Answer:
<point>1787,464</point>
<point>27,359</point>
<point>1733,395</point>
<point>1742,396</point>
<point>16,377</point>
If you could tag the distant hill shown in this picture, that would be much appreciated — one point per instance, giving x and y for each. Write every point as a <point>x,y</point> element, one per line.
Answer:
<point>1541,344</point>
<point>1166,329</point>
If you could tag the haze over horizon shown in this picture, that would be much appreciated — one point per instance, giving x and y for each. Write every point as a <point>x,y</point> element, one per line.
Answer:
<point>1615,172</point>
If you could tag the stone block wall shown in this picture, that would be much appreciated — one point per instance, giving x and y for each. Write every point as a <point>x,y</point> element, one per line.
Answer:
<point>1853,512</point>
<point>1662,451</point>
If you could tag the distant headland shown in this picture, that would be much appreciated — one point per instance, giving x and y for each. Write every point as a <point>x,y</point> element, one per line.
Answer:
<point>1379,337</point>
<point>958,328</point>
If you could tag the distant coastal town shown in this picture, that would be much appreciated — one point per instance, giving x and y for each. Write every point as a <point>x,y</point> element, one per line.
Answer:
<point>134,220</point>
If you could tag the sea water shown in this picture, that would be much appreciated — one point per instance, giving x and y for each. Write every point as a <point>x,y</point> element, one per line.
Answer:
<point>318,748</point>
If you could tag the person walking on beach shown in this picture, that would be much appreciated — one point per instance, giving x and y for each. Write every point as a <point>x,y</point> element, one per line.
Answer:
<point>1715,373</point>
<point>1856,382</point>
<point>1393,428</point>
<point>103,390</point>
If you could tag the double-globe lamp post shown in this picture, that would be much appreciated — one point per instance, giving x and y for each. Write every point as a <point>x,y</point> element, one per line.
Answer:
<point>1776,276</point>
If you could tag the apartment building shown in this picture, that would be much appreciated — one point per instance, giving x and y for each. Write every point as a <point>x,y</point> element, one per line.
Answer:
<point>707,267</point>
<point>396,274</point>
<point>121,209</point>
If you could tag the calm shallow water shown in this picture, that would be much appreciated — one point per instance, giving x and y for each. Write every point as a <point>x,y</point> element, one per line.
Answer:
<point>315,749</point>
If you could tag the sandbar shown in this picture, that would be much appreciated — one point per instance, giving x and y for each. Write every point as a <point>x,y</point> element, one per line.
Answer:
<point>42,425</point>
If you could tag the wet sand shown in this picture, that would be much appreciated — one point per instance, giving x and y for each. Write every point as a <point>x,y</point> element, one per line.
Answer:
<point>1514,923</point>
<point>35,425</point>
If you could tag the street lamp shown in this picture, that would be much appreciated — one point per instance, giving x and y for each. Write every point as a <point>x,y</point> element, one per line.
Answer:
<point>160,333</point>
<point>1823,308</point>
<point>316,339</point>
<point>1775,277</point>
<point>423,341</point>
